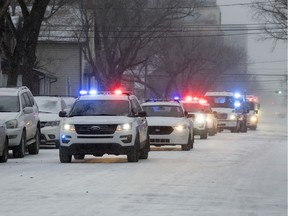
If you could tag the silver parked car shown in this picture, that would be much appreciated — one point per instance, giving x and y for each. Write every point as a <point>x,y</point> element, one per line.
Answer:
<point>4,149</point>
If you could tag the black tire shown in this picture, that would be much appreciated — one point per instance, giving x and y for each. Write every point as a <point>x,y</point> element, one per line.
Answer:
<point>57,144</point>
<point>192,142</point>
<point>19,151</point>
<point>212,132</point>
<point>5,152</point>
<point>133,151</point>
<point>204,134</point>
<point>79,157</point>
<point>64,158</point>
<point>34,147</point>
<point>253,127</point>
<point>145,151</point>
<point>187,146</point>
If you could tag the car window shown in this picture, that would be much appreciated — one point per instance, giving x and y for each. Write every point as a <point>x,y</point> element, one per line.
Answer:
<point>193,107</point>
<point>28,102</point>
<point>164,111</point>
<point>100,107</point>
<point>48,105</point>
<point>9,104</point>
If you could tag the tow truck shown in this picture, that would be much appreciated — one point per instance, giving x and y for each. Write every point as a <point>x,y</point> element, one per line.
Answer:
<point>231,110</point>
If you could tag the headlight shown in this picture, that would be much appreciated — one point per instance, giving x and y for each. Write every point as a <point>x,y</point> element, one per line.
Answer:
<point>52,123</point>
<point>124,127</point>
<point>233,117</point>
<point>200,119</point>
<point>11,124</point>
<point>180,127</point>
<point>253,118</point>
<point>68,127</point>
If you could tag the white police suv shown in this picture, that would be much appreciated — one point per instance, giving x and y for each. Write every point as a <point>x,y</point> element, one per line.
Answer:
<point>104,123</point>
<point>168,124</point>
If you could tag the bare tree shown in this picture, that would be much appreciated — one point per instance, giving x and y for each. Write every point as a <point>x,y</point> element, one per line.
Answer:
<point>20,38</point>
<point>123,33</point>
<point>274,15</point>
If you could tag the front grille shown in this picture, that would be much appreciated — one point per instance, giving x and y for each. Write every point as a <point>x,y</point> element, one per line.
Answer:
<point>222,115</point>
<point>42,124</point>
<point>95,129</point>
<point>163,130</point>
<point>159,141</point>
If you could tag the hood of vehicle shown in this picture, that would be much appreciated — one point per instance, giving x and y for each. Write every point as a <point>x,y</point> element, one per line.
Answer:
<point>5,116</point>
<point>98,120</point>
<point>45,117</point>
<point>222,110</point>
<point>165,121</point>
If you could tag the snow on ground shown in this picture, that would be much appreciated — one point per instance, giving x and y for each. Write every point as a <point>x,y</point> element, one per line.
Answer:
<point>242,174</point>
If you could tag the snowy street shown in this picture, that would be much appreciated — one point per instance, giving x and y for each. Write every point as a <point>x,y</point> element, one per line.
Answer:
<point>242,174</point>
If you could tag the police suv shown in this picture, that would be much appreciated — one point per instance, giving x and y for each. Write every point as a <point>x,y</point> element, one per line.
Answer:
<point>104,123</point>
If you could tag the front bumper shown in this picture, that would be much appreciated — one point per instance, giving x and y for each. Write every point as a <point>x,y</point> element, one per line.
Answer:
<point>50,136</point>
<point>14,136</point>
<point>175,138</point>
<point>227,124</point>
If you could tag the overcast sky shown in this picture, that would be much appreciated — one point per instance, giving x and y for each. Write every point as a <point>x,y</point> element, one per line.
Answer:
<point>267,58</point>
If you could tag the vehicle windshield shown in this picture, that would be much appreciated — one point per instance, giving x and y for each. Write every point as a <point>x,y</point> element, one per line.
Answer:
<point>9,104</point>
<point>164,111</point>
<point>100,107</point>
<point>221,101</point>
<point>48,105</point>
<point>193,107</point>
<point>251,106</point>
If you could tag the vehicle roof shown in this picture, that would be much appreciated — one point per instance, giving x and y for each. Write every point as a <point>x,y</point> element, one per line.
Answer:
<point>105,97</point>
<point>221,93</point>
<point>13,91</point>
<point>170,103</point>
<point>41,97</point>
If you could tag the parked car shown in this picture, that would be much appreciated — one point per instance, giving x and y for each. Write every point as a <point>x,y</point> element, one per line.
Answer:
<point>49,108</point>
<point>4,148</point>
<point>168,124</point>
<point>20,113</point>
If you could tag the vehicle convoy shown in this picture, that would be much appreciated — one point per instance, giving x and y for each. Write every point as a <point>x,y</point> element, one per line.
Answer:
<point>231,110</point>
<point>49,108</point>
<point>196,112</point>
<point>20,113</point>
<point>104,123</point>
<point>253,107</point>
<point>168,124</point>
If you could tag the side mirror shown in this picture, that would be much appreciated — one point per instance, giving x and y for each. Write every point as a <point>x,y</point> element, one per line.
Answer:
<point>256,111</point>
<point>62,114</point>
<point>186,113</point>
<point>142,114</point>
<point>191,115</point>
<point>28,110</point>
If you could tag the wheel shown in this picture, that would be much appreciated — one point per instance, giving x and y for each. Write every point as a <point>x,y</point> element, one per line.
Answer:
<point>64,158</point>
<point>5,152</point>
<point>34,147</point>
<point>212,132</point>
<point>133,151</point>
<point>192,142</point>
<point>253,127</point>
<point>204,134</point>
<point>79,157</point>
<point>145,151</point>
<point>187,146</point>
<point>19,151</point>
